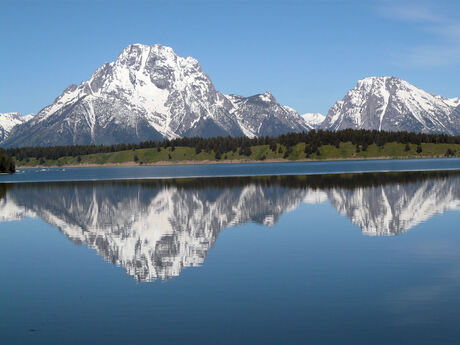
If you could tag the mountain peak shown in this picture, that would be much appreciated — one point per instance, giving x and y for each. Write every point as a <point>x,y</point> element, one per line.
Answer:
<point>379,78</point>
<point>370,83</point>
<point>267,97</point>
<point>142,55</point>
<point>392,104</point>
<point>138,48</point>
<point>262,115</point>
<point>139,57</point>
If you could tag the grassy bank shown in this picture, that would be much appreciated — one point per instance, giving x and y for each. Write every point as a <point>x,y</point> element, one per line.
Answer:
<point>258,153</point>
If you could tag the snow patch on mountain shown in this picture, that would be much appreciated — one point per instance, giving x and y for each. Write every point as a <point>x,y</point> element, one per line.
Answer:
<point>313,120</point>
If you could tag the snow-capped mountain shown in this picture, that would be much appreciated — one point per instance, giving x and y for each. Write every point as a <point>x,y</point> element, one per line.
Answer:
<point>392,104</point>
<point>313,120</point>
<point>9,120</point>
<point>262,115</point>
<point>148,93</point>
<point>154,230</point>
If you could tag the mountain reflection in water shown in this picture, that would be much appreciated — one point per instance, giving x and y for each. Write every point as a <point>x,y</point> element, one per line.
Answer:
<point>156,228</point>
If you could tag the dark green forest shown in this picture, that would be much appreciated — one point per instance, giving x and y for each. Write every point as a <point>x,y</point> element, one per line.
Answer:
<point>219,145</point>
<point>7,164</point>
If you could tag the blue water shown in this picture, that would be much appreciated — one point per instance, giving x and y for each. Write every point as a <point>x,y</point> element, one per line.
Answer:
<point>249,169</point>
<point>344,259</point>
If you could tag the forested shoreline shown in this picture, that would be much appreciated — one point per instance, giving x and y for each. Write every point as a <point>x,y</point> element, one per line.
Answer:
<point>313,142</point>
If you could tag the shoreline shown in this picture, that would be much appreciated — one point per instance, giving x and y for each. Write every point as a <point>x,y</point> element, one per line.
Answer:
<point>211,162</point>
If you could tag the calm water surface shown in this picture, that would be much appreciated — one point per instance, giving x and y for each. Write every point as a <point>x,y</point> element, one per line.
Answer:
<point>225,170</point>
<point>320,259</point>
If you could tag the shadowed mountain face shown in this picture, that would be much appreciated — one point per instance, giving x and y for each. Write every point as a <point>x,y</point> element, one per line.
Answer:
<point>156,228</point>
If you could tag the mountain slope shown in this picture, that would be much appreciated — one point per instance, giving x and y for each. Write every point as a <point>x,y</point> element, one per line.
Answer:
<point>391,104</point>
<point>261,115</point>
<point>8,121</point>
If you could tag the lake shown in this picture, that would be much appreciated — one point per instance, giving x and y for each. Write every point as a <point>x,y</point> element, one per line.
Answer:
<point>334,258</point>
<point>227,170</point>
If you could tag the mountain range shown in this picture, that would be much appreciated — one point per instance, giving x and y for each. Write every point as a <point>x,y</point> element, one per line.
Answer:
<point>155,230</point>
<point>151,93</point>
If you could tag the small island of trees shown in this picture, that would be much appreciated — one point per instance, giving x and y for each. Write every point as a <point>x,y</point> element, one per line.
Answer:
<point>7,164</point>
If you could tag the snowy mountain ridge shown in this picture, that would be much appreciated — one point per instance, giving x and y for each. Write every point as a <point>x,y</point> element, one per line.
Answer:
<point>9,120</point>
<point>392,104</point>
<point>313,120</point>
<point>261,115</point>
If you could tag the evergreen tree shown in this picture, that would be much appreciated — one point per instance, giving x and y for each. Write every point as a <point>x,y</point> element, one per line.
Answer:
<point>7,164</point>
<point>449,153</point>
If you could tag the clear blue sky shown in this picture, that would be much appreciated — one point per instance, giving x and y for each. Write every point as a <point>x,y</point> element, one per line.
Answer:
<point>307,53</point>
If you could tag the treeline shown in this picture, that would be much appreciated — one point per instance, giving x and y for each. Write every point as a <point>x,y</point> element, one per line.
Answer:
<point>7,164</point>
<point>220,145</point>
<point>324,182</point>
